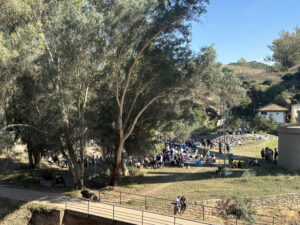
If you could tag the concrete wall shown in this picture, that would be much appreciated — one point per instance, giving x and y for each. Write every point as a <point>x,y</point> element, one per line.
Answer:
<point>289,147</point>
<point>294,113</point>
<point>279,117</point>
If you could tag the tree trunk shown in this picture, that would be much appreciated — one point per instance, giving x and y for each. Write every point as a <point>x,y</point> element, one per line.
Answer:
<point>30,158</point>
<point>37,157</point>
<point>115,174</point>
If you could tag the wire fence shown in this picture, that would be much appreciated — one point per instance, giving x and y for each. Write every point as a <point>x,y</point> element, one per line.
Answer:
<point>124,214</point>
<point>165,206</point>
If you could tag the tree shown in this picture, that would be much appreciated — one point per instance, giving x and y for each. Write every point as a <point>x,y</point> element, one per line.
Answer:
<point>151,30</point>
<point>128,57</point>
<point>286,48</point>
<point>66,42</point>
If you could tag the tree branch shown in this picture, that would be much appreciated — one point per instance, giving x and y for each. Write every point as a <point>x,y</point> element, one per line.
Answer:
<point>23,125</point>
<point>117,75</point>
<point>134,63</point>
<point>130,129</point>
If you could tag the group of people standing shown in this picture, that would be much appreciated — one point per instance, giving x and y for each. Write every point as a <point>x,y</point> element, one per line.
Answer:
<point>269,155</point>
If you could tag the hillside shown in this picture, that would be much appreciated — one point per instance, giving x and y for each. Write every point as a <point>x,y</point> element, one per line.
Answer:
<point>258,76</point>
<point>252,65</point>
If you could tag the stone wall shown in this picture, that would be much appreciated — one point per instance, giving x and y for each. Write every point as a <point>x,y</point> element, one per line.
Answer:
<point>270,201</point>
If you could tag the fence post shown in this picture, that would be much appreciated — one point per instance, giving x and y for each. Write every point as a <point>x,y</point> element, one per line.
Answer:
<point>66,205</point>
<point>203,212</point>
<point>145,202</point>
<point>273,220</point>
<point>174,220</point>
<point>120,197</point>
<point>88,207</point>
<point>236,219</point>
<point>113,212</point>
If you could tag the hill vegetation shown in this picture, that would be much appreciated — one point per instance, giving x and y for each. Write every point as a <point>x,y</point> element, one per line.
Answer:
<point>252,64</point>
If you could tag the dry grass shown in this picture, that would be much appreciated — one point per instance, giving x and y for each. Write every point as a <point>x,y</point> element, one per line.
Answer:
<point>13,212</point>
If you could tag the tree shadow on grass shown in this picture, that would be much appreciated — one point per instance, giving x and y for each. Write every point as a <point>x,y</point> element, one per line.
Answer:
<point>8,206</point>
<point>161,176</point>
<point>21,175</point>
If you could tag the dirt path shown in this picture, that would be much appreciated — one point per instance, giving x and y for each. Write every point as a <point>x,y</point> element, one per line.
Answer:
<point>93,208</point>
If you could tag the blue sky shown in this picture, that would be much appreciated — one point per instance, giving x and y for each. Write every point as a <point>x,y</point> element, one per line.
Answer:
<point>244,28</point>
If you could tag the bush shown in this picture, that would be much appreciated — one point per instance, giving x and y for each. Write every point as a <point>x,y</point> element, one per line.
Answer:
<point>239,206</point>
<point>235,123</point>
<point>267,82</point>
<point>287,77</point>
<point>277,68</point>
<point>259,123</point>
<point>246,209</point>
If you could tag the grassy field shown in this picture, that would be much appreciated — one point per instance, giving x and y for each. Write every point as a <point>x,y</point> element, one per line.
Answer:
<point>200,183</point>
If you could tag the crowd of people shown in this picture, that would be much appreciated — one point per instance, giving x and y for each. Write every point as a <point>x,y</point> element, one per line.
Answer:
<point>268,154</point>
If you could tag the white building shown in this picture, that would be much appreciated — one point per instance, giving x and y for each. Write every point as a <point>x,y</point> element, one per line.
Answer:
<point>276,111</point>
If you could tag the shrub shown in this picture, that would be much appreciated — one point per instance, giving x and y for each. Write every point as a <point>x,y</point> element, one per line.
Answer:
<point>239,206</point>
<point>259,123</point>
<point>287,77</point>
<point>267,82</point>
<point>277,68</point>
<point>235,123</point>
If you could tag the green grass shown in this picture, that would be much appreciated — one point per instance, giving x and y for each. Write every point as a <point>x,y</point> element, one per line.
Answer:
<point>202,183</point>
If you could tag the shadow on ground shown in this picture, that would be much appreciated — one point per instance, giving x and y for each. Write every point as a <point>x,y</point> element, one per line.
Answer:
<point>161,176</point>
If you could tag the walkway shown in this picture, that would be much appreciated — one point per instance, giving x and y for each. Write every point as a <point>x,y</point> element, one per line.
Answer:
<point>94,208</point>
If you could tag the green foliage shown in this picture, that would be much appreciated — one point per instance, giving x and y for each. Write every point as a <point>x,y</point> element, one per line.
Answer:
<point>259,123</point>
<point>6,141</point>
<point>234,123</point>
<point>297,97</point>
<point>286,48</point>
<point>245,209</point>
<point>201,118</point>
<point>281,98</point>
<point>275,92</point>
<point>251,64</point>
<point>287,76</point>
<point>277,68</point>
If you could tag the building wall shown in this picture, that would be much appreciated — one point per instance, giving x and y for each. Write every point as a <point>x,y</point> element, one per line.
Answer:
<point>294,113</point>
<point>279,117</point>
<point>288,147</point>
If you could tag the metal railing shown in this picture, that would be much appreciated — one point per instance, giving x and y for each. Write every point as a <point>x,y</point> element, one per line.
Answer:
<point>124,214</point>
<point>164,206</point>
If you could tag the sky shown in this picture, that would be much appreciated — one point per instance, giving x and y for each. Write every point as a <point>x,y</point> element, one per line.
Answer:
<point>244,28</point>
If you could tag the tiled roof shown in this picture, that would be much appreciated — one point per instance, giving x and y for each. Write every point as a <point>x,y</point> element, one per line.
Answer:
<point>272,108</point>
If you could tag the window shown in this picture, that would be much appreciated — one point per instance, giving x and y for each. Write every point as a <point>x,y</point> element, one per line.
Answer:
<point>277,113</point>
<point>263,113</point>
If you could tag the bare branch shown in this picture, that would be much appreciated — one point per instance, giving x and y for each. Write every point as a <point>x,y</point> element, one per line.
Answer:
<point>24,125</point>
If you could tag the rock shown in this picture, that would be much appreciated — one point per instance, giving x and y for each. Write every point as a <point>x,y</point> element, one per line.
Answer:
<point>89,195</point>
